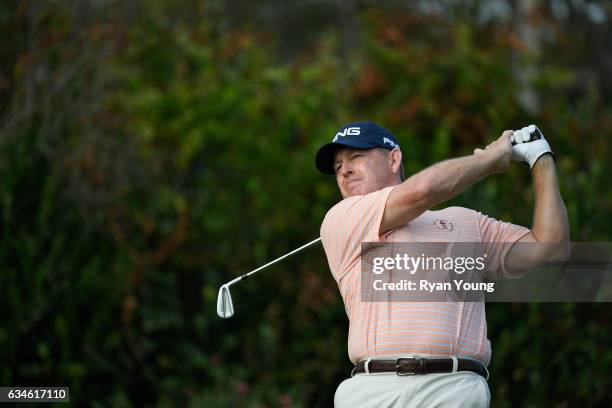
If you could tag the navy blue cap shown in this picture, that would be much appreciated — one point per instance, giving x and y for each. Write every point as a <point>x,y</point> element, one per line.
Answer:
<point>358,135</point>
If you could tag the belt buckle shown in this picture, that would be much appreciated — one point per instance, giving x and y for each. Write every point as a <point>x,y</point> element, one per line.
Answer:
<point>397,365</point>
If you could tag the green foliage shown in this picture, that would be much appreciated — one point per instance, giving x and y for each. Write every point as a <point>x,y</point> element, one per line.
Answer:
<point>149,159</point>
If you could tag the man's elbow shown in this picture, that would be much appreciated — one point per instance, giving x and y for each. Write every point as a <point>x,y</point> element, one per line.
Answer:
<point>425,193</point>
<point>560,251</point>
<point>418,192</point>
<point>552,252</point>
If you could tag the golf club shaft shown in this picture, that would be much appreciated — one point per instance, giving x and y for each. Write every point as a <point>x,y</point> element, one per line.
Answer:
<point>246,275</point>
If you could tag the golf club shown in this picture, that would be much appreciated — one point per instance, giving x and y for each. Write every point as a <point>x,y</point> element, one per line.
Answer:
<point>225,306</point>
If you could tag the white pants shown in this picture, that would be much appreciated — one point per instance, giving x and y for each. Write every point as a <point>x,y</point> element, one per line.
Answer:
<point>461,389</point>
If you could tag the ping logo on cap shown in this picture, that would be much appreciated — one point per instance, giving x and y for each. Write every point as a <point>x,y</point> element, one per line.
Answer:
<point>361,135</point>
<point>347,131</point>
<point>391,142</point>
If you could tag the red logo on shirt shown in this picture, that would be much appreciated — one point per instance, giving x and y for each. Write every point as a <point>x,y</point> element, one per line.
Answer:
<point>444,225</point>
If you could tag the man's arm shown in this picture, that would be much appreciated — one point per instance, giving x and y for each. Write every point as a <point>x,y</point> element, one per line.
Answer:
<point>443,181</point>
<point>550,222</point>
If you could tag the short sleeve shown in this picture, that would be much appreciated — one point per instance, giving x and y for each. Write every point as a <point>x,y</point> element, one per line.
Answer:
<point>349,223</point>
<point>497,238</point>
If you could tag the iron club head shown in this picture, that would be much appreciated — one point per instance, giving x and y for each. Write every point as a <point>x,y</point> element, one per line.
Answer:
<point>225,306</point>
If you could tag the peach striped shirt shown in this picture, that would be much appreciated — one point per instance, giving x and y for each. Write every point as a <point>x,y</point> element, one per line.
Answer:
<point>398,328</point>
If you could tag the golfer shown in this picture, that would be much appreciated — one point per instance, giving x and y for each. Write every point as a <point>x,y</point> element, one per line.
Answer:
<point>427,354</point>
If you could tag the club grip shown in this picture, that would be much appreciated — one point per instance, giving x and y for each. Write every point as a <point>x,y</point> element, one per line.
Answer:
<point>535,135</point>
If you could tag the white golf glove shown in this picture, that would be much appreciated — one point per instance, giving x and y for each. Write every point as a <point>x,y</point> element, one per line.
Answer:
<point>528,145</point>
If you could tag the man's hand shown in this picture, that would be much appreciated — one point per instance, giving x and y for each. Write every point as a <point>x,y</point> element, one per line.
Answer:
<point>529,145</point>
<point>498,153</point>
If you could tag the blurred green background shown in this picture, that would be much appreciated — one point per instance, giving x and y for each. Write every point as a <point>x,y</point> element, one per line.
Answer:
<point>152,150</point>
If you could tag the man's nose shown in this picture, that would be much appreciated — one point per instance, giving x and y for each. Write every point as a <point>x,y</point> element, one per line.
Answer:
<point>346,169</point>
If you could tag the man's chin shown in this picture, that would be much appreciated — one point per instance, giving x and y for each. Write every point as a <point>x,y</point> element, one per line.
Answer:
<point>354,192</point>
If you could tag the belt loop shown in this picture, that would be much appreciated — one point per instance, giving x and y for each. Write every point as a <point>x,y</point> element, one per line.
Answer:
<point>366,365</point>
<point>455,364</point>
<point>485,367</point>
<point>423,365</point>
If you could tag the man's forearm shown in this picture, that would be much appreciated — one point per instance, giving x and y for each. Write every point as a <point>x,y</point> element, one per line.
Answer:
<point>550,222</point>
<point>449,178</point>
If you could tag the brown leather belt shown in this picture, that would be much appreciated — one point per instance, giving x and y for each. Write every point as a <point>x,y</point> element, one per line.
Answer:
<point>418,365</point>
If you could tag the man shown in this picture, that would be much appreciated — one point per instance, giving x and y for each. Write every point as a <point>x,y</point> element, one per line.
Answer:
<point>443,343</point>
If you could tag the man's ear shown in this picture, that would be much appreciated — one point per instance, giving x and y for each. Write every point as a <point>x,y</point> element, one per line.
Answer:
<point>395,160</point>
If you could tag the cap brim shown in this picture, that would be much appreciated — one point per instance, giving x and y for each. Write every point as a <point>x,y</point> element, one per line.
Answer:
<point>324,160</point>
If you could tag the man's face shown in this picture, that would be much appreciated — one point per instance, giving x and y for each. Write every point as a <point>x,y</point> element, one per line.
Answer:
<point>361,172</point>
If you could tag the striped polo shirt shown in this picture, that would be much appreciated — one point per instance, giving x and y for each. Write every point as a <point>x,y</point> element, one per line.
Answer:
<point>380,329</point>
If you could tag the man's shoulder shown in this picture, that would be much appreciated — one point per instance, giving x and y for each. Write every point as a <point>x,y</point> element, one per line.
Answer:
<point>354,210</point>
<point>355,202</point>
